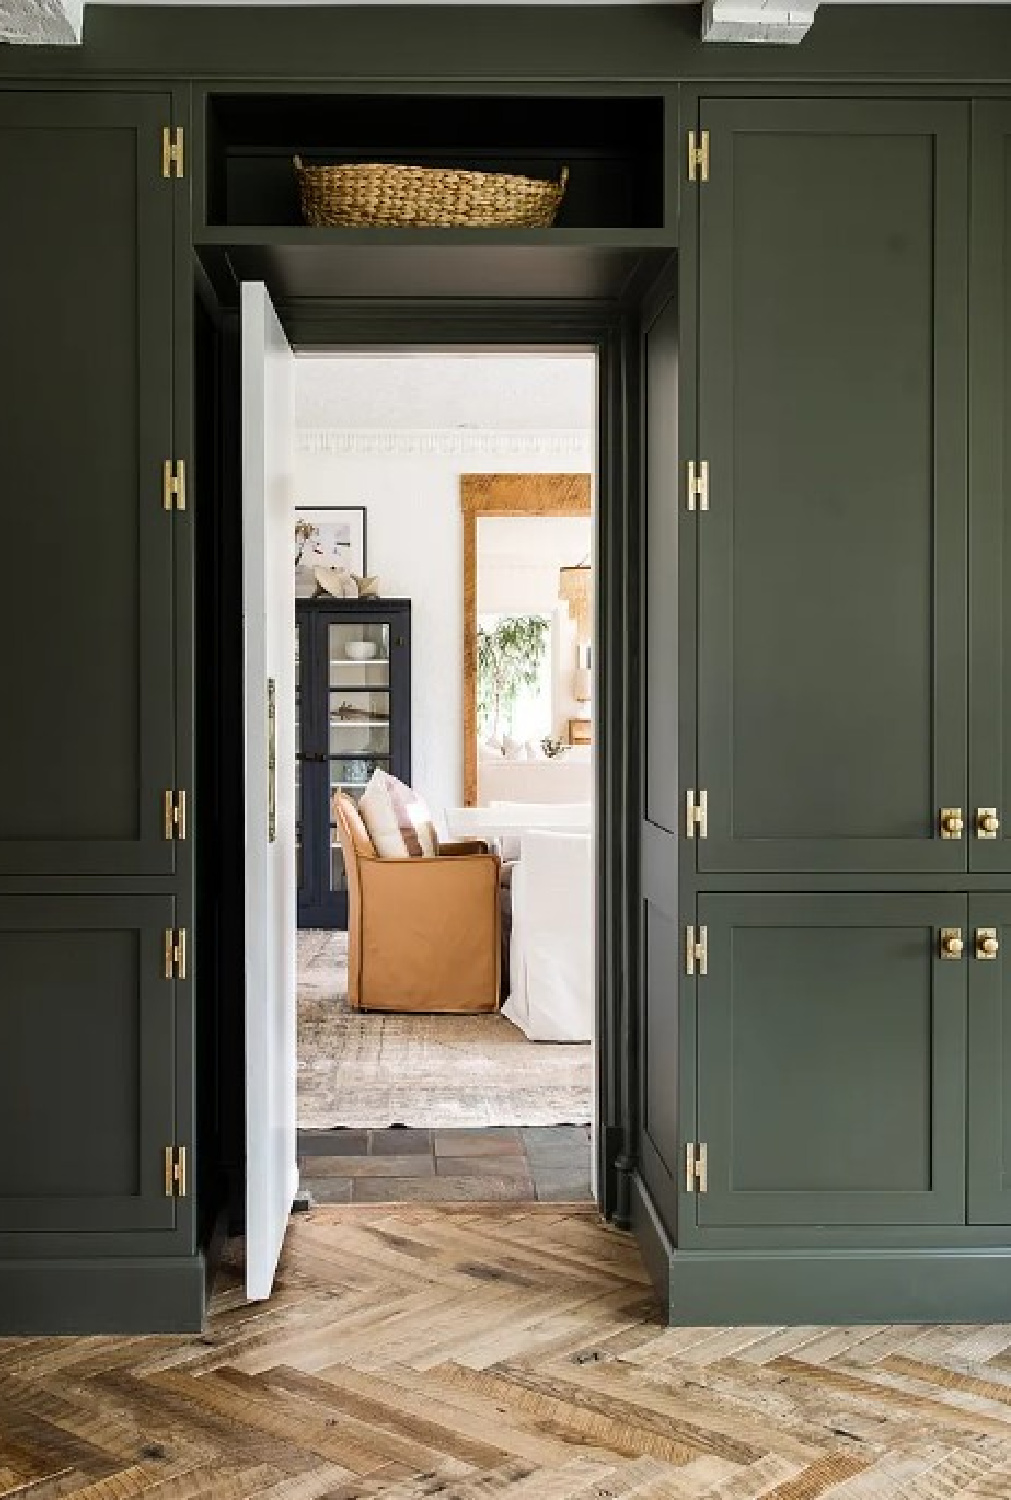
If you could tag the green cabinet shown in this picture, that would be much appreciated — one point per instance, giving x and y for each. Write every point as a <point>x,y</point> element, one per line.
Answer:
<point>86,266</point>
<point>826,1008</point>
<point>97,1063</point>
<point>990,483</point>
<point>831,1060</point>
<point>831,327</point>
<point>88,1071</point>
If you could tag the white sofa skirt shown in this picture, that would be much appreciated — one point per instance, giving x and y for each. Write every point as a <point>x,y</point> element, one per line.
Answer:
<point>551,958</point>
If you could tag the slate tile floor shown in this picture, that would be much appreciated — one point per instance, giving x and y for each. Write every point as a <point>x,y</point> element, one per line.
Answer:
<point>524,1164</point>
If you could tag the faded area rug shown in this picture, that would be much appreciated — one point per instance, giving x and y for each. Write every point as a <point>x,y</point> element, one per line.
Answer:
<point>432,1072</point>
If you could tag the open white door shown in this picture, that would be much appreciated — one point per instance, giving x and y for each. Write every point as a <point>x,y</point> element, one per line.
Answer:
<point>268,618</point>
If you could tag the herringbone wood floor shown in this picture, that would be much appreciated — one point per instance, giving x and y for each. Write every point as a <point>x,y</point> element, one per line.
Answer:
<point>508,1351</point>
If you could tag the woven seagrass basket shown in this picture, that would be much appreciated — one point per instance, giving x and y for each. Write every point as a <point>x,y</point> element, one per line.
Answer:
<point>384,195</point>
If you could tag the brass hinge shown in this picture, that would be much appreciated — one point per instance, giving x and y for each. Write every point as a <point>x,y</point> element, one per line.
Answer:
<point>698,814</point>
<point>175,1171</point>
<point>698,156</point>
<point>698,484</point>
<point>175,816</point>
<point>696,950</point>
<point>175,953</point>
<point>696,1167</point>
<point>173,160</point>
<point>173,484</point>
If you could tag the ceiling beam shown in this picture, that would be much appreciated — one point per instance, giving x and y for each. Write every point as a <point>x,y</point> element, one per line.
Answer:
<point>757,20</point>
<point>41,23</point>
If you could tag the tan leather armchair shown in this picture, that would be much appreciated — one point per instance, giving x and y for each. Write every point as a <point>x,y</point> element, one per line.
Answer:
<point>424,933</point>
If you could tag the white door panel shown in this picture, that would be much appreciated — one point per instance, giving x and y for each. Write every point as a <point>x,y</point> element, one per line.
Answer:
<point>269,675</point>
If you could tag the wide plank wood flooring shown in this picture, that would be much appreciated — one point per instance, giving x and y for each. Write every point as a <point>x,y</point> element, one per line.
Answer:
<point>512,1350</point>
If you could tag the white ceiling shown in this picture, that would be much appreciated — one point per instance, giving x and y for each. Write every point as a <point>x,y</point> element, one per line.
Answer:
<point>409,392</point>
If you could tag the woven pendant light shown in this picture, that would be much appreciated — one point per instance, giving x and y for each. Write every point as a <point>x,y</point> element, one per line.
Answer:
<point>575,586</point>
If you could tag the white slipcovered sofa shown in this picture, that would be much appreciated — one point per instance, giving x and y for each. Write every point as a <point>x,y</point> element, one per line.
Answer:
<point>552,951</point>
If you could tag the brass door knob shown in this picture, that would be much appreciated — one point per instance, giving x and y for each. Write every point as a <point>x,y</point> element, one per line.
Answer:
<point>952,945</point>
<point>987,942</point>
<point>987,823</point>
<point>952,823</point>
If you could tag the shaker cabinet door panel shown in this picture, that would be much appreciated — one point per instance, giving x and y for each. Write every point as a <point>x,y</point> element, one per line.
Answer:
<point>87,1064</point>
<point>990,488</point>
<point>832,560</point>
<point>87,751</point>
<point>831,1061</point>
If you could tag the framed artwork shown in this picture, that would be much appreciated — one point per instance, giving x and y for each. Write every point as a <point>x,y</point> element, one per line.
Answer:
<point>330,537</point>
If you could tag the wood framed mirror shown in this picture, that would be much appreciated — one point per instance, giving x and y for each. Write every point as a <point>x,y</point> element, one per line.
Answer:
<point>502,495</point>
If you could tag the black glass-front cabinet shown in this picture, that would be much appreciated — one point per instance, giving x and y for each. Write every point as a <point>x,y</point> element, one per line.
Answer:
<point>353,714</point>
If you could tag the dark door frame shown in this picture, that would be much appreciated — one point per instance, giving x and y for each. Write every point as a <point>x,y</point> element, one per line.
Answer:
<point>611,331</point>
<point>612,336</point>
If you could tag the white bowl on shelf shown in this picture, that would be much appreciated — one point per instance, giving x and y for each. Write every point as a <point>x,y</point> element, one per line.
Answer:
<point>361,650</point>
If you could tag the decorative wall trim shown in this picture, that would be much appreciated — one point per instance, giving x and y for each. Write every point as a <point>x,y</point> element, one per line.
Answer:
<point>447,442</point>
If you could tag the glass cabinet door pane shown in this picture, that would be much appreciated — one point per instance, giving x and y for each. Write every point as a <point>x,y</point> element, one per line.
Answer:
<point>358,656</point>
<point>359,723</point>
<point>350,773</point>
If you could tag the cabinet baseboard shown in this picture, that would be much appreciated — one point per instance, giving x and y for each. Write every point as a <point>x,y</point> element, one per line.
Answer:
<point>707,1288</point>
<point>71,1297</point>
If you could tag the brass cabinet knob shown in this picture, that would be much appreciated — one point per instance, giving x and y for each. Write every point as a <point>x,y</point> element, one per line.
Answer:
<point>952,823</point>
<point>987,942</point>
<point>952,945</point>
<point>987,823</point>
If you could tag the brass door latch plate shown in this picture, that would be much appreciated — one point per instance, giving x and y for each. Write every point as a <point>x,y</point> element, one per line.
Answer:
<point>952,945</point>
<point>987,943</point>
<point>952,823</point>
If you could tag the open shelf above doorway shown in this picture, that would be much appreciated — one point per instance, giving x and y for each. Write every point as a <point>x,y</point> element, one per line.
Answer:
<point>613,146</point>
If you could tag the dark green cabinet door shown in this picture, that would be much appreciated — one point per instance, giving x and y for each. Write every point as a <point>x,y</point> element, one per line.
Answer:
<point>87,1064</point>
<point>832,563</point>
<point>87,750</point>
<point>990,483</point>
<point>831,1061</point>
<point>989,1195</point>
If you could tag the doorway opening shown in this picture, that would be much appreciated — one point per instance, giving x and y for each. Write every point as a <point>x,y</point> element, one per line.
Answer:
<point>444,540</point>
<point>248,1054</point>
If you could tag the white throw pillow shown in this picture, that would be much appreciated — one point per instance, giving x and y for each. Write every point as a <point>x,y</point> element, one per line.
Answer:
<point>398,822</point>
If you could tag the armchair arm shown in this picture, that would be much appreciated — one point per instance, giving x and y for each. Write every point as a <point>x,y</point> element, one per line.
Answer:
<point>430,933</point>
<point>463,846</point>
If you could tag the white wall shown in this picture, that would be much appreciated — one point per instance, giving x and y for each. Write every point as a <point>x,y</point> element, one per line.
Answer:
<point>408,477</point>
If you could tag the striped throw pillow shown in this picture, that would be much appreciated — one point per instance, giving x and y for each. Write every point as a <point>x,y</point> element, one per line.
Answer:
<point>398,822</point>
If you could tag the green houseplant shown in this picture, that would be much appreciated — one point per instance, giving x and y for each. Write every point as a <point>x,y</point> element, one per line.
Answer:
<point>510,655</point>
